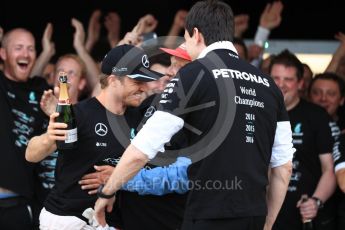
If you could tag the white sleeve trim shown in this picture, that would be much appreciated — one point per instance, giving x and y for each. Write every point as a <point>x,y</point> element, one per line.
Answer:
<point>339,166</point>
<point>261,36</point>
<point>282,150</point>
<point>157,131</point>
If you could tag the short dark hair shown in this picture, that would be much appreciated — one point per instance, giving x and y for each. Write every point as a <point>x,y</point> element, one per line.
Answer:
<point>331,77</point>
<point>214,19</point>
<point>288,59</point>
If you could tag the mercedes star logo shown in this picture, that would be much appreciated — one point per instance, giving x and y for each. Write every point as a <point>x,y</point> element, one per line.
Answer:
<point>101,129</point>
<point>150,111</point>
<point>145,61</point>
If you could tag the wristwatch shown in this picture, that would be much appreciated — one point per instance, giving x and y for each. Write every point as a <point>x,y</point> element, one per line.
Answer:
<point>100,194</point>
<point>319,202</point>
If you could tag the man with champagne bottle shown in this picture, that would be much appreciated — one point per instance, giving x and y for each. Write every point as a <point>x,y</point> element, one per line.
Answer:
<point>125,73</point>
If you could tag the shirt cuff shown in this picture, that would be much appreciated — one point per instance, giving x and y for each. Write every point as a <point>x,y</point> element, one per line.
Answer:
<point>261,36</point>
<point>157,131</point>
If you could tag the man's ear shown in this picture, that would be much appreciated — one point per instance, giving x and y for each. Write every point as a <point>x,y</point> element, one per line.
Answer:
<point>3,54</point>
<point>82,84</point>
<point>300,84</point>
<point>113,80</point>
<point>197,35</point>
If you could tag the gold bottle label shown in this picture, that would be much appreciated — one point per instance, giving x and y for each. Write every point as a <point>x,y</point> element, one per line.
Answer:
<point>63,96</point>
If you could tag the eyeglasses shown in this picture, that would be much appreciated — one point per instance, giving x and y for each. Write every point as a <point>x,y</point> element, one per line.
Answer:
<point>70,73</point>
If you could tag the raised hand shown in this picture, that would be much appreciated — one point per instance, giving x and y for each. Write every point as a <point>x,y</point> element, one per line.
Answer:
<point>341,37</point>
<point>94,30</point>
<point>241,24</point>
<point>271,16</point>
<point>48,102</point>
<point>48,51</point>
<point>148,24</point>
<point>180,18</point>
<point>131,38</point>
<point>79,34</point>
<point>112,23</point>
<point>338,55</point>
<point>47,43</point>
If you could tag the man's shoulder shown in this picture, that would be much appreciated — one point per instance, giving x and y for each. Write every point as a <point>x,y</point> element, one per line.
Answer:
<point>86,104</point>
<point>191,66</point>
<point>38,83</point>
<point>312,108</point>
<point>314,113</point>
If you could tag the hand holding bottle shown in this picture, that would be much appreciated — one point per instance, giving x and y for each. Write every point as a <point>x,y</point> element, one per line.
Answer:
<point>305,204</point>
<point>66,115</point>
<point>56,130</point>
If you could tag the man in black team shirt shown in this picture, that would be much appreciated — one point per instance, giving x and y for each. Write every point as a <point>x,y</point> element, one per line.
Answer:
<point>155,198</point>
<point>313,172</point>
<point>241,155</point>
<point>123,84</point>
<point>339,168</point>
<point>20,119</point>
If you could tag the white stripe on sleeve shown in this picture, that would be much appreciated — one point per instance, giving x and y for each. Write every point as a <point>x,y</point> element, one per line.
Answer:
<point>157,131</point>
<point>339,166</point>
<point>282,150</point>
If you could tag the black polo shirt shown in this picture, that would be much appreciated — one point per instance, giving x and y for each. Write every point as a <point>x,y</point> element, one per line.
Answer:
<point>221,97</point>
<point>21,118</point>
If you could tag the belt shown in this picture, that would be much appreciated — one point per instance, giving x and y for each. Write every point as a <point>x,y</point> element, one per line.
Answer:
<point>13,202</point>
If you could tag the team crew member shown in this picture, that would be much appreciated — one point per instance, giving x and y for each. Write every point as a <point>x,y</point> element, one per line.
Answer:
<point>218,77</point>
<point>313,172</point>
<point>166,210</point>
<point>123,83</point>
<point>20,119</point>
<point>154,188</point>
<point>339,168</point>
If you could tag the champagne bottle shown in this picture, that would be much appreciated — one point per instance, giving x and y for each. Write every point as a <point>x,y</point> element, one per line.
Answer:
<point>307,223</point>
<point>66,115</point>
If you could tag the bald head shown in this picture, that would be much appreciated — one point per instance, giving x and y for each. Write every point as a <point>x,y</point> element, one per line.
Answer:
<point>10,34</point>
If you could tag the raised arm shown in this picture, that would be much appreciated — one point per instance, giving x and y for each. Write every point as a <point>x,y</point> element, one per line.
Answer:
<point>176,28</point>
<point>113,25</point>
<point>241,24</point>
<point>94,30</point>
<point>39,147</point>
<point>47,52</point>
<point>270,19</point>
<point>145,24</point>
<point>338,54</point>
<point>92,70</point>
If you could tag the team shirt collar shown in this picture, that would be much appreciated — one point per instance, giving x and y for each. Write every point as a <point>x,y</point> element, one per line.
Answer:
<point>218,45</point>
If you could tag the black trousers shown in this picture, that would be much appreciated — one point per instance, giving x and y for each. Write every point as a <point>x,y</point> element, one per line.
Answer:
<point>15,214</point>
<point>245,223</point>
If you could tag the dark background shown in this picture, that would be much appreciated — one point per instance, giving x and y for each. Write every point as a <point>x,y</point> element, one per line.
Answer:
<point>302,19</point>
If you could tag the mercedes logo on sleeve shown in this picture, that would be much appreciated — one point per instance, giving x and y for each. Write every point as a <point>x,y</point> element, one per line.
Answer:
<point>145,61</point>
<point>101,129</point>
